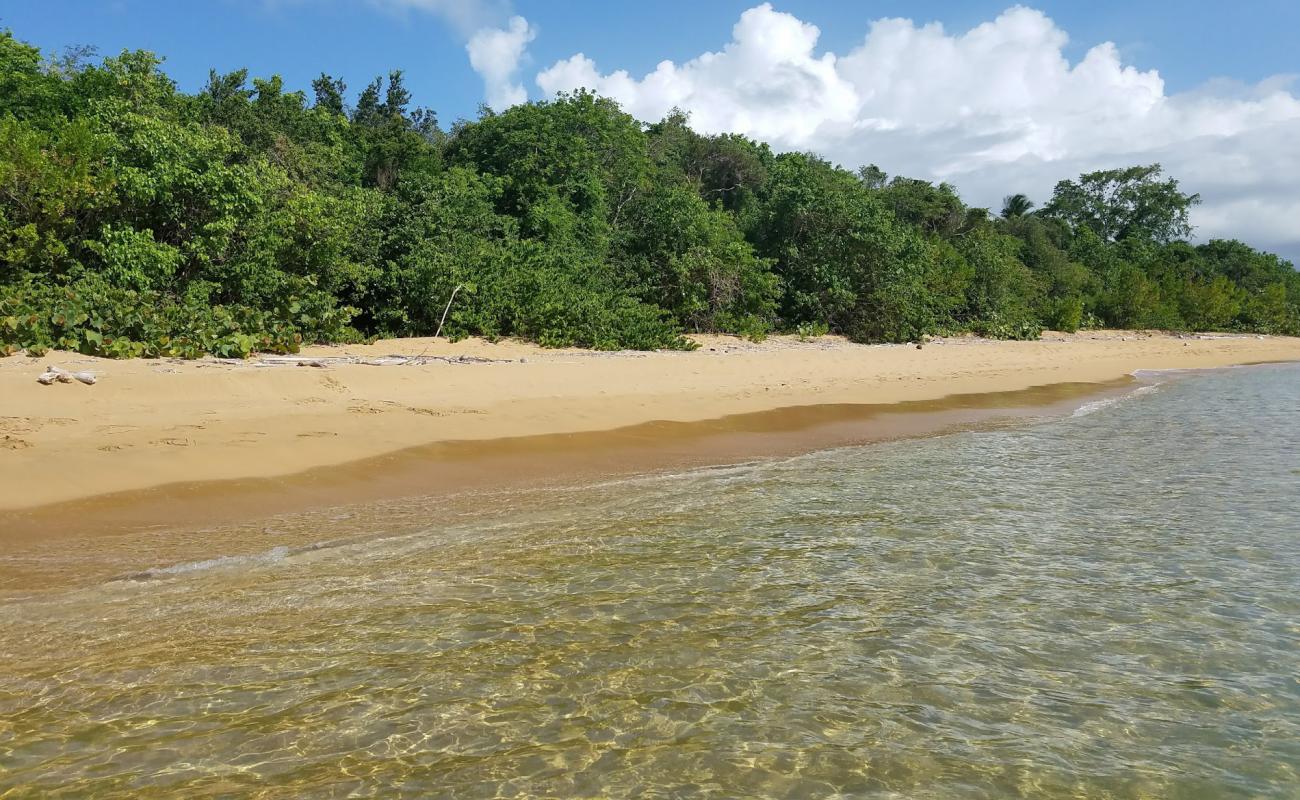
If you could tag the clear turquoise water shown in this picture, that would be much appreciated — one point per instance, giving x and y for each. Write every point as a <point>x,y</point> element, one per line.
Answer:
<point>1106,605</point>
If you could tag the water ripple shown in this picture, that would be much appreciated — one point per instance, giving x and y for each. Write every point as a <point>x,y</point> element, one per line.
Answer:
<point>1101,606</point>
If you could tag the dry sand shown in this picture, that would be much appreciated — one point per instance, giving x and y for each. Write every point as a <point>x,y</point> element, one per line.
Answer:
<point>152,423</point>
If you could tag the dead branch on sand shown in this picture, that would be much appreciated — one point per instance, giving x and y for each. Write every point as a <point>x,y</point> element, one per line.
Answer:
<point>325,362</point>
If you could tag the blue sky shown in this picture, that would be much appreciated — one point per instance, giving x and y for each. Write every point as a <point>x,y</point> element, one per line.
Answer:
<point>359,39</point>
<point>1001,99</point>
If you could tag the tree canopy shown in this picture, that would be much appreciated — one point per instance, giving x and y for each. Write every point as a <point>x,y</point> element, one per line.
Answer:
<point>1125,203</point>
<point>137,220</point>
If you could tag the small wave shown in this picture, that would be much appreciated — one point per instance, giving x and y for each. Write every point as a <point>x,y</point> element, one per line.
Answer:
<point>1106,402</point>
<point>275,555</point>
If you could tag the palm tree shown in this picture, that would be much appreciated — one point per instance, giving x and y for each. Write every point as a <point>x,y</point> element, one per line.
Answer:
<point>1016,205</point>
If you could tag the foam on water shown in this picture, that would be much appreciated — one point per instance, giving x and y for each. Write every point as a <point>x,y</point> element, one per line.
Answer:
<point>1107,402</point>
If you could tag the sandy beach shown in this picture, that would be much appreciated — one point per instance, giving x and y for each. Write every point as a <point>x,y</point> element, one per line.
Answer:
<point>148,423</point>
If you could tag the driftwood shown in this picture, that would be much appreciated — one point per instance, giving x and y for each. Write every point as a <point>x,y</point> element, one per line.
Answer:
<point>380,361</point>
<point>53,374</point>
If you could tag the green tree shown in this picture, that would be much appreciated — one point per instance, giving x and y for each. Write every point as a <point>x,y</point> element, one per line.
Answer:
<point>136,219</point>
<point>1002,289</point>
<point>571,166</point>
<point>873,177</point>
<point>1121,203</point>
<point>329,93</point>
<point>676,252</point>
<point>1015,206</point>
<point>842,257</point>
<point>936,210</point>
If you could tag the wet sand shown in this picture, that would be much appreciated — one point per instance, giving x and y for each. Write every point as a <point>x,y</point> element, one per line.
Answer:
<point>114,536</point>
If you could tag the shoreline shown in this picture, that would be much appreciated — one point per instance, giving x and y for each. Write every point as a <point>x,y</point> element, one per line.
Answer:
<point>147,425</point>
<point>443,468</point>
<point>142,534</point>
<point>103,539</point>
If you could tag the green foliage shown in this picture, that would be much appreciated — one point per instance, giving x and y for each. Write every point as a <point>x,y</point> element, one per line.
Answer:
<point>567,167</point>
<point>1210,305</point>
<point>675,252</point>
<point>533,292</point>
<point>811,330</point>
<point>1121,203</point>
<point>838,251</point>
<point>933,209</point>
<point>53,186</point>
<point>1063,314</point>
<point>1269,311</point>
<point>1001,288</point>
<point>95,318</point>
<point>132,259</point>
<point>136,220</point>
<point>726,169</point>
<point>1015,206</point>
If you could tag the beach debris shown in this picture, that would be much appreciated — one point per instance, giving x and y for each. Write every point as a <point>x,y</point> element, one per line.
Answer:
<point>325,362</point>
<point>54,374</point>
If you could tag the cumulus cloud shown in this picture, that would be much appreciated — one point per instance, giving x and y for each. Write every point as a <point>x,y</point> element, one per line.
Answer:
<point>752,86</point>
<point>495,54</point>
<point>496,41</point>
<point>996,109</point>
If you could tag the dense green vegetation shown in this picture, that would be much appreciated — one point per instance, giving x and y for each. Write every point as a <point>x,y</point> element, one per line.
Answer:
<point>136,220</point>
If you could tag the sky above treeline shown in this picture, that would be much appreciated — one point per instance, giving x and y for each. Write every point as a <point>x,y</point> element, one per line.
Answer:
<point>992,97</point>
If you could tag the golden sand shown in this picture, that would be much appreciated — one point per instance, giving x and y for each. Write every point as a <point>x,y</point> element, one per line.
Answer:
<point>149,423</point>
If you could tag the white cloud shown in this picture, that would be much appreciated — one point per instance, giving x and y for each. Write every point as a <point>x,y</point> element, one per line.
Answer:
<point>495,40</point>
<point>495,54</point>
<point>465,16</point>
<point>751,86</point>
<point>995,110</point>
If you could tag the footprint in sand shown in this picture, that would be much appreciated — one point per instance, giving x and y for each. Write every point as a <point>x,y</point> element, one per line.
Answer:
<point>174,442</point>
<point>17,425</point>
<point>332,383</point>
<point>14,443</point>
<point>308,401</point>
<point>442,412</point>
<point>115,429</point>
<point>30,424</point>
<point>363,408</point>
<point>316,434</point>
<point>428,412</point>
<point>110,448</point>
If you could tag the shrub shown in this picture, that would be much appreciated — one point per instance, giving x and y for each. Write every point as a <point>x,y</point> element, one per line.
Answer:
<point>95,318</point>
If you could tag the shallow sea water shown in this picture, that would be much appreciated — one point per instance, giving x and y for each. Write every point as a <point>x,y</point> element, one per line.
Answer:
<point>1106,605</point>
